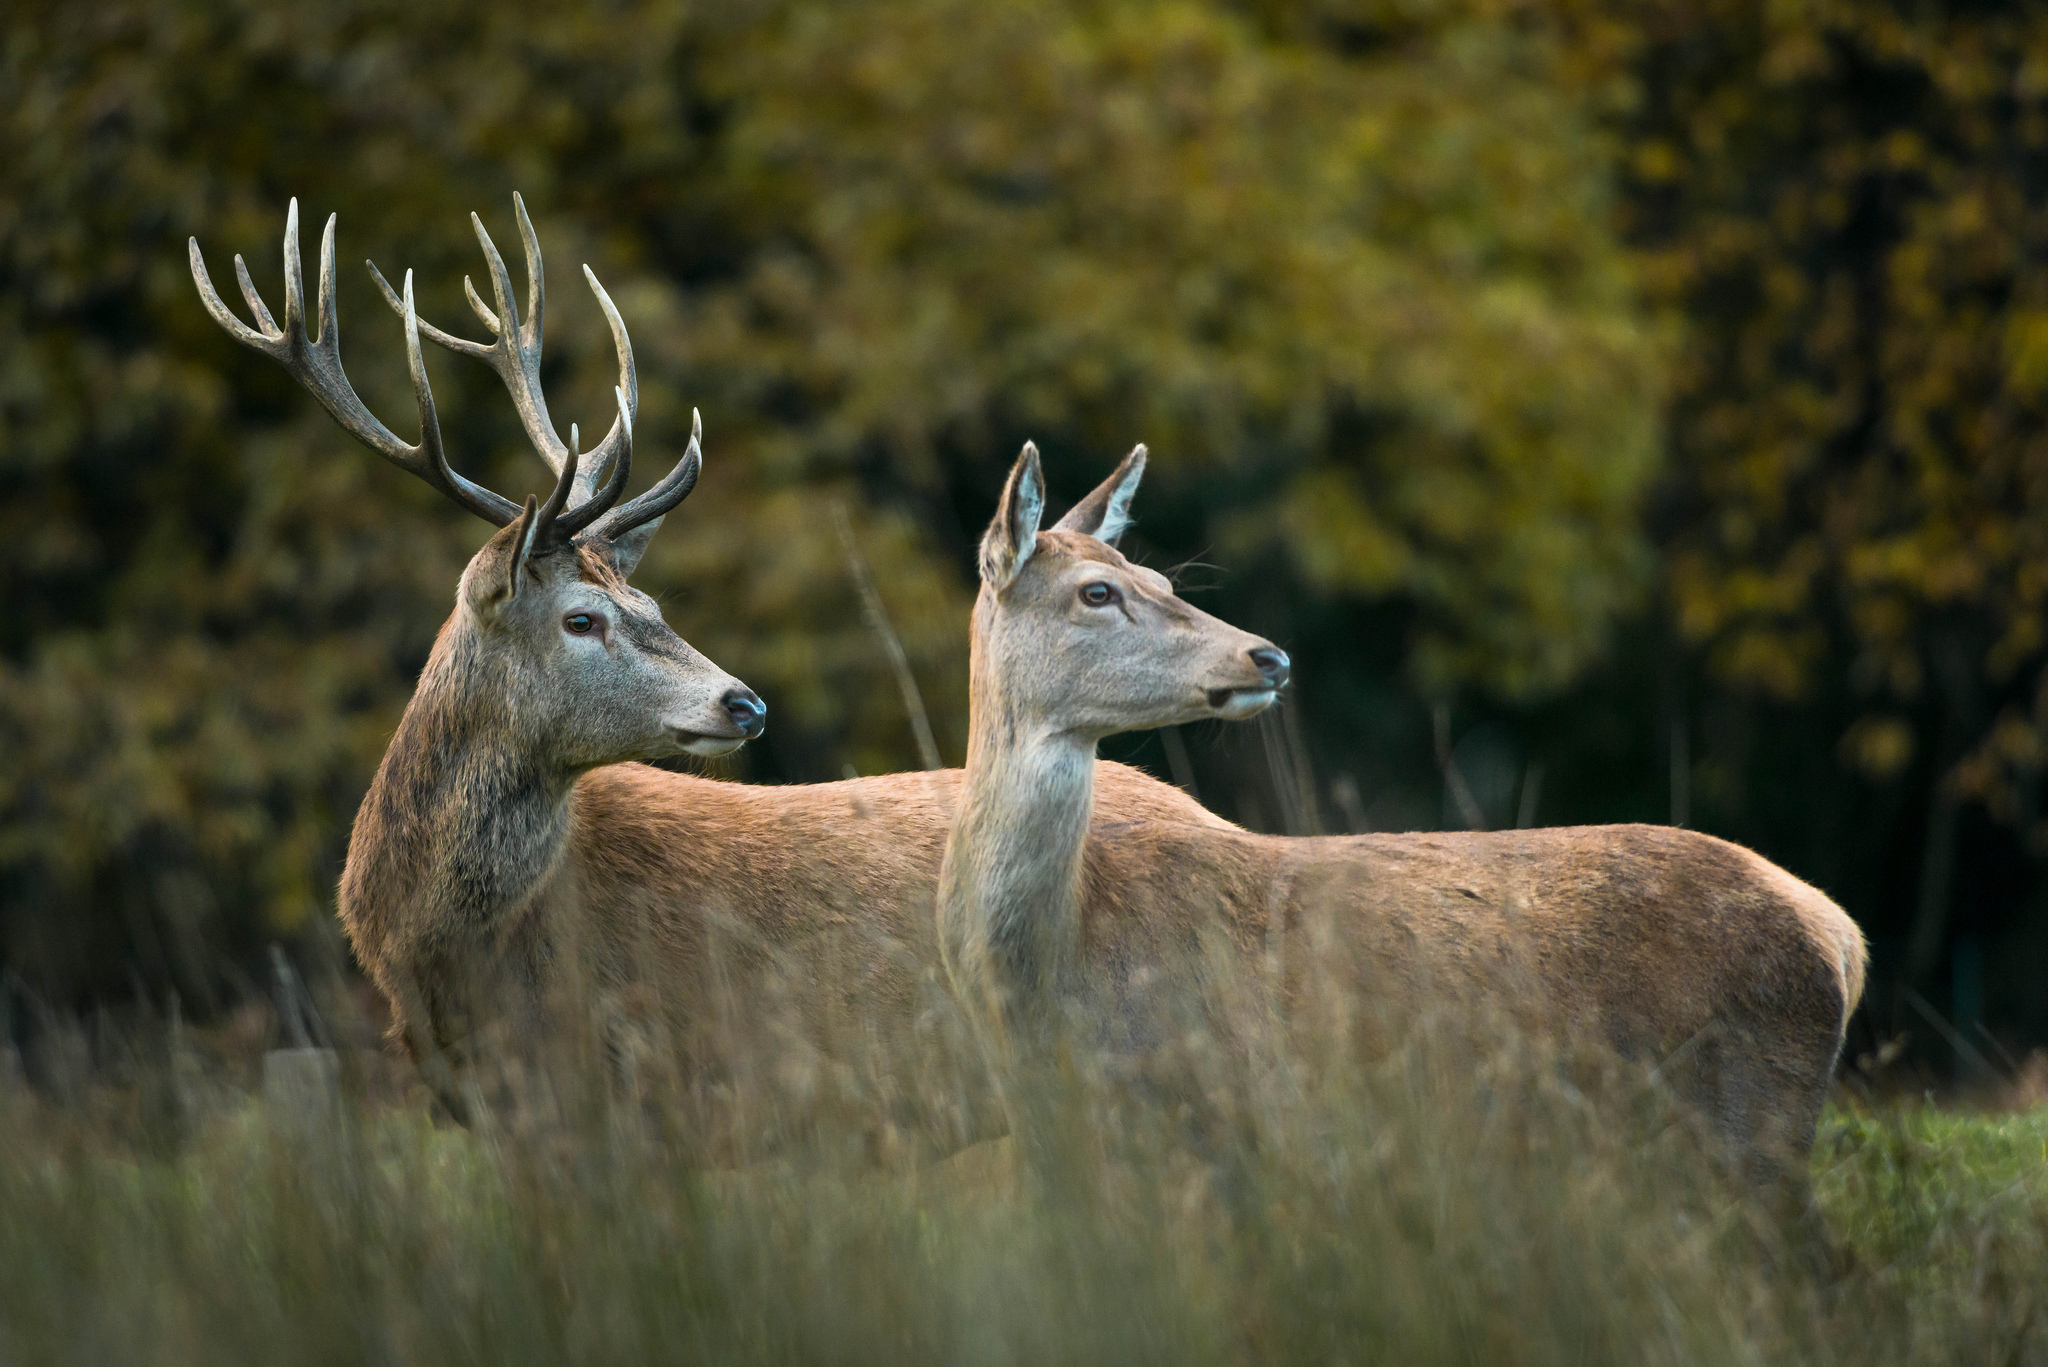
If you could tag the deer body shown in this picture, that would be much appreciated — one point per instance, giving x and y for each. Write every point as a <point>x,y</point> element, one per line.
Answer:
<point>751,924</point>
<point>507,840</point>
<point>508,844</point>
<point>496,859</point>
<point>684,893</point>
<point>1658,942</point>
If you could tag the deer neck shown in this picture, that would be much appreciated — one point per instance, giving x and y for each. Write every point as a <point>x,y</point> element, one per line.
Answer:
<point>1010,883</point>
<point>468,814</point>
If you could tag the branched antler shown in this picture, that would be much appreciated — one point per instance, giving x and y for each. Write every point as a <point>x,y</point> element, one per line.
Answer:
<point>587,483</point>
<point>315,363</point>
<point>515,351</point>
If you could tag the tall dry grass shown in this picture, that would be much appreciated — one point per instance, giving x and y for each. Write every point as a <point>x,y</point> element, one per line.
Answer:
<point>1429,1200</point>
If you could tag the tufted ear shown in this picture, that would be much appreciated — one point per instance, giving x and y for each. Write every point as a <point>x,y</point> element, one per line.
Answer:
<point>1013,536</point>
<point>1106,513</point>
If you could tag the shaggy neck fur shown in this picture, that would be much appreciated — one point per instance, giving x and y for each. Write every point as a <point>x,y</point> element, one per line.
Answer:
<point>467,816</point>
<point>1010,883</point>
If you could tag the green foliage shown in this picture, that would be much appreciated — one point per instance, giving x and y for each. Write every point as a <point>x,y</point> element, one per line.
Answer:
<point>1362,298</point>
<point>1905,1179</point>
<point>1845,200</point>
<point>1934,1201</point>
<point>1362,293</point>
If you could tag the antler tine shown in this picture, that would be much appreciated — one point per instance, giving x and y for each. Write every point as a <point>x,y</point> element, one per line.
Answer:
<point>478,306</point>
<point>554,527</point>
<point>221,313</point>
<point>588,511</point>
<point>294,278</point>
<point>501,282</point>
<point>316,365</point>
<point>515,352</point>
<point>479,500</point>
<point>255,300</point>
<point>673,489</point>
<point>327,318</point>
<point>529,334</point>
<point>628,386</point>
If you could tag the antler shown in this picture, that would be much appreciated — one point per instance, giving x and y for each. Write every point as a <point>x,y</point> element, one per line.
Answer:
<point>515,352</point>
<point>515,356</point>
<point>315,363</point>
<point>673,488</point>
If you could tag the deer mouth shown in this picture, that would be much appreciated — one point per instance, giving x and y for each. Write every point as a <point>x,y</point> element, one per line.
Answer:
<point>1234,704</point>
<point>697,743</point>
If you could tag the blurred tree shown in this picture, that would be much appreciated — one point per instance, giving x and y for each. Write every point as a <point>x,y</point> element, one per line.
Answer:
<point>1366,304</point>
<point>1846,200</point>
<point>1352,275</point>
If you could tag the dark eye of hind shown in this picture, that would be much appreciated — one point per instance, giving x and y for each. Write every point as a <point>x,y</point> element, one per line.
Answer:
<point>1098,595</point>
<point>579,623</point>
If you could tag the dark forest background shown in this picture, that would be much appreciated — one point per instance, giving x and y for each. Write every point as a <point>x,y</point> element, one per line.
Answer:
<point>1622,409</point>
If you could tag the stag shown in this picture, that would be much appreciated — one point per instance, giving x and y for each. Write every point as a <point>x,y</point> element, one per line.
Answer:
<point>513,834</point>
<point>1658,942</point>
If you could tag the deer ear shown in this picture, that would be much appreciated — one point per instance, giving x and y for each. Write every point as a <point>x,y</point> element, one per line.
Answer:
<point>1106,512</point>
<point>523,529</point>
<point>1013,536</point>
<point>491,582</point>
<point>628,546</point>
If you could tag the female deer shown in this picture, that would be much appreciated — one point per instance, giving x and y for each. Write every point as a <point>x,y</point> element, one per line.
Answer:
<point>1657,941</point>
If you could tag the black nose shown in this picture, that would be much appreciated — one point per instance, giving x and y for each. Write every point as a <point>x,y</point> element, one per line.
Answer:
<point>747,711</point>
<point>1272,663</point>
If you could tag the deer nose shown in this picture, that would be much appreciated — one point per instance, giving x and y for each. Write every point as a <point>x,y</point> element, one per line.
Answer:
<point>747,711</point>
<point>1272,664</point>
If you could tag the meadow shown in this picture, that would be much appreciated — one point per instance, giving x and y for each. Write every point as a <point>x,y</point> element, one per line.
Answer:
<point>1428,1204</point>
<point>1621,411</point>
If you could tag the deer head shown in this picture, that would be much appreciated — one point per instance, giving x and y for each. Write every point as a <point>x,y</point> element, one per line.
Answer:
<point>583,661</point>
<point>1071,638</point>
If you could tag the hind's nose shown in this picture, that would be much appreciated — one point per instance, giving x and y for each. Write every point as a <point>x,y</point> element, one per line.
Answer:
<point>1272,664</point>
<point>747,711</point>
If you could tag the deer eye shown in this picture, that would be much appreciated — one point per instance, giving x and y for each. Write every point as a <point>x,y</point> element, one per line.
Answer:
<point>579,623</point>
<point>1099,595</point>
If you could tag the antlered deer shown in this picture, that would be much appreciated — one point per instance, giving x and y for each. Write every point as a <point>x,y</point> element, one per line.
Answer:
<point>1655,941</point>
<point>506,830</point>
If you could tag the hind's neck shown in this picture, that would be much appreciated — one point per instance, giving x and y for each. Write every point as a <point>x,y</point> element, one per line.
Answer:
<point>1010,884</point>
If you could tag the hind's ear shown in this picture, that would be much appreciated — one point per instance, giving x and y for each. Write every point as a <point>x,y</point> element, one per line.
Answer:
<point>1106,512</point>
<point>1013,536</point>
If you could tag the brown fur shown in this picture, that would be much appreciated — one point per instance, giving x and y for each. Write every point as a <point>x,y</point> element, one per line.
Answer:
<point>1663,944</point>
<point>483,860</point>
<point>1676,949</point>
<point>484,872</point>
